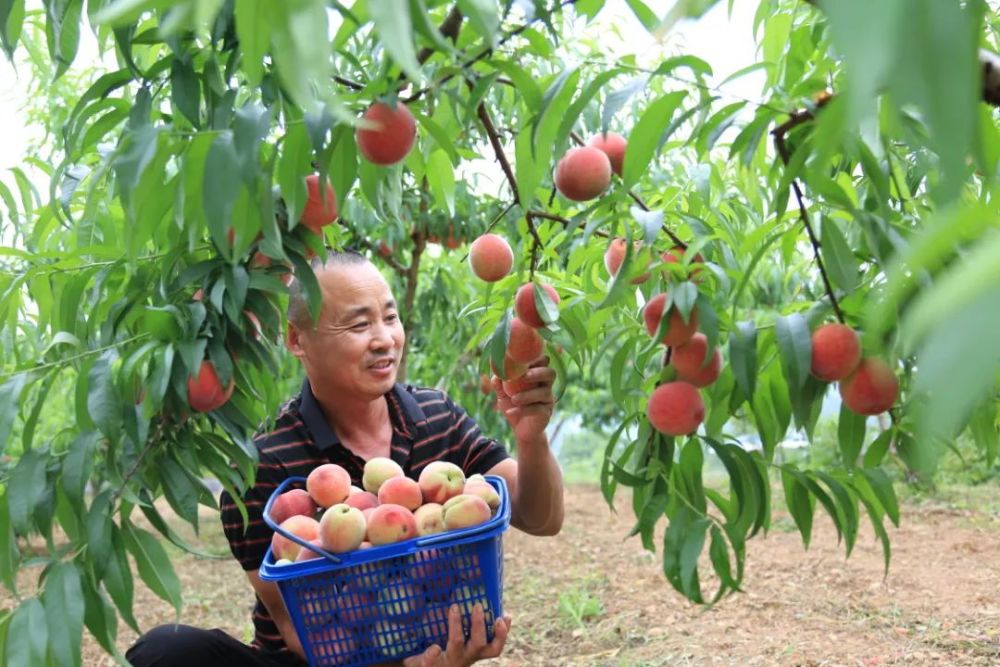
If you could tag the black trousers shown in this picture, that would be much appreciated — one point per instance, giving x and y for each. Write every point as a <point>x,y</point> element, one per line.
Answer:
<point>185,646</point>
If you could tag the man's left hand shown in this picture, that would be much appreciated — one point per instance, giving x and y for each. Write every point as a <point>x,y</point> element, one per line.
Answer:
<point>528,412</point>
<point>462,653</point>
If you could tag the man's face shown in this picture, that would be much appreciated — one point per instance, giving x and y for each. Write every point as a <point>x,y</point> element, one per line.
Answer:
<point>357,344</point>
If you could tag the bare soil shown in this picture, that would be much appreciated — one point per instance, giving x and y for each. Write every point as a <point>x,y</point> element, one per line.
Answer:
<point>939,604</point>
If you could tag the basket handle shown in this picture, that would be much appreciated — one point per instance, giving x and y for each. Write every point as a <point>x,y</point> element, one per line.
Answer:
<point>284,533</point>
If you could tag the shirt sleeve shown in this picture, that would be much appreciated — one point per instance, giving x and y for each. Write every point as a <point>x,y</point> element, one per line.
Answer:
<point>249,542</point>
<point>469,448</point>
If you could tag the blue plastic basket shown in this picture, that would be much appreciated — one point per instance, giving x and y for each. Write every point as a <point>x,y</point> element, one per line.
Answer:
<point>391,601</point>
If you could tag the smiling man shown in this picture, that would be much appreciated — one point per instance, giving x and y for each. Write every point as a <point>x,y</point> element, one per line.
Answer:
<point>351,409</point>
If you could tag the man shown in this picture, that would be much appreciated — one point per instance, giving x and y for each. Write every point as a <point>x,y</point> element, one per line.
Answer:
<point>350,410</point>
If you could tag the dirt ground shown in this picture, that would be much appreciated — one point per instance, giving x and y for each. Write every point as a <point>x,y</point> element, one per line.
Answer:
<point>591,597</point>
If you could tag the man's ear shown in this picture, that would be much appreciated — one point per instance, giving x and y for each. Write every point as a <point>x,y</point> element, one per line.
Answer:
<point>293,341</point>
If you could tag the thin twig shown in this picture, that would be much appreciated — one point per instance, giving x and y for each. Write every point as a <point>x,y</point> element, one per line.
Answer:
<point>76,357</point>
<point>779,142</point>
<point>353,85</point>
<point>482,54</point>
<point>491,133</point>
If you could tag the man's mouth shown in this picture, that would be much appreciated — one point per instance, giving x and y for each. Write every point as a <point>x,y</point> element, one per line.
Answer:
<point>383,364</point>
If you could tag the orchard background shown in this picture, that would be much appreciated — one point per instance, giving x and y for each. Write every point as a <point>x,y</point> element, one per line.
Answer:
<point>857,184</point>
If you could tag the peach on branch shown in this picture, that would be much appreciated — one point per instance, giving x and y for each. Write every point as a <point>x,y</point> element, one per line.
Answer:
<point>871,389</point>
<point>614,256</point>
<point>321,207</point>
<point>378,470</point>
<point>389,137</point>
<point>836,351</point>
<point>328,484</point>
<point>613,145</point>
<point>390,523</point>
<point>342,528</point>
<point>441,480</point>
<point>304,527</point>
<point>526,308</point>
<point>689,360</point>
<point>205,392</point>
<point>490,257</point>
<point>525,343</point>
<point>678,331</point>
<point>400,491</point>
<point>583,173</point>
<point>676,408</point>
<point>464,511</point>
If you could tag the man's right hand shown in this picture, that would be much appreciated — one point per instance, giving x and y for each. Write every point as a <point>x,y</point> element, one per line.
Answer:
<point>461,653</point>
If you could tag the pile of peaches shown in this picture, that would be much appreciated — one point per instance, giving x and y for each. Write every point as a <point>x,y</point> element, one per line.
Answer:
<point>332,514</point>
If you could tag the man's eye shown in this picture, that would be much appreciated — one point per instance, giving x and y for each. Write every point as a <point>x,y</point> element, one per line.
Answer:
<point>360,325</point>
<point>392,318</point>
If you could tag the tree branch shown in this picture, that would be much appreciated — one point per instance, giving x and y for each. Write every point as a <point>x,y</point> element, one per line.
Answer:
<point>779,142</point>
<point>449,29</point>
<point>491,133</point>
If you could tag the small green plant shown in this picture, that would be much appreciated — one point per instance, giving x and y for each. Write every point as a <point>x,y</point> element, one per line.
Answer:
<point>578,605</point>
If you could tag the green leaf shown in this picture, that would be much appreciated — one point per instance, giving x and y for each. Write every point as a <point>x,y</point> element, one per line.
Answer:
<point>26,488</point>
<point>441,178</point>
<point>840,260</point>
<point>850,435</point>
<point>795,348</point>
<point>483,18</point>
<point>11,21</point>
<point>847,504</point>
<point>181,491</point>
<point>62,32</point>
<point>875,515</point>
<point>644,139</point>
<point>646,16</point>
<point>983,427</point>
<point>118,579</point>
<point>221,187</point>
<point>9,555</point>
<point>395,30</point>
<point>293,165</point>
<point>682,545</point>
<point>64,606</point>
<point>743,356</point>
<point>99,527</point>
<point>10,401</point>
<point>28,625</point>
<point>882,487</point>
<point>498,346</point>
<point>799,504</point>
<point>253,27</point>
<point>579,104</point>
<point>650,221</point>
<point>153,564</point>
<point>99,617</point>
<point>185,89</point>
<point>877,449</point>
<point>617,99</point>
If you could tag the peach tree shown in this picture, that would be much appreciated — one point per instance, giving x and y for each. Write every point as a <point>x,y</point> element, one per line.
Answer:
<point>689,257</point>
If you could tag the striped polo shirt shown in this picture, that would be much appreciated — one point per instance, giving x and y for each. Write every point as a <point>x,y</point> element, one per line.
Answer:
<point>426,426</point>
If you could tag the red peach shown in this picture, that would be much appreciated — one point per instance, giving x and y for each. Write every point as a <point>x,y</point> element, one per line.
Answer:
<point>464,511</point>
<point>320,209</point>
<point>291,503</point>
<point>305,553</point>
<point>583,173</point>
<point>342,528</point>
<point>205,392</point>
<point>689,360</point>
<point>614,256</point>
<point>490,257</point>
<point>441,480</point>
<point>525,343</point>
<point>485,491</point>
<point>613,145</point>
<point>328,484</point>
<point>429,518</point>
<point>392,135</point>
<point>303,527</point>
<point>377,470</point>
<point>362,500</point>
<point>525,307</point>
<point>871,389</point>
<point>676,408</point>
<point>391,523</point>
<point>679,331</point>
<point>836,352</point>
<point>400,491</point>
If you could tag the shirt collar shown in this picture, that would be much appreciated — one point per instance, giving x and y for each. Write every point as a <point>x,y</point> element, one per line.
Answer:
<point>324,437</point>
